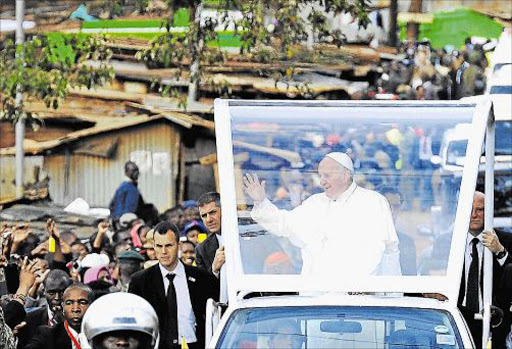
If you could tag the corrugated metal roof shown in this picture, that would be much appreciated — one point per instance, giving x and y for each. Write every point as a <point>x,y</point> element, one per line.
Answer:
<point>109,124</point>
<point>153,146</point>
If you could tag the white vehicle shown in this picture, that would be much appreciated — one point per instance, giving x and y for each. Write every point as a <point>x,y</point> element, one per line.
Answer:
<point>269,297</point>
<point>272,304</point>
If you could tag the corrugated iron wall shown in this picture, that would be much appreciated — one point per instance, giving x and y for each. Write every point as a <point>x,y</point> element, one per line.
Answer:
<point>95,179</point>
<point>8,174</point>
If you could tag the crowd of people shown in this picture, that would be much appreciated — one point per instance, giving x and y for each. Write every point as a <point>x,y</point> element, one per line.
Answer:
<point>432,74</point>
<point>50,282</point>
<point>135,285</point>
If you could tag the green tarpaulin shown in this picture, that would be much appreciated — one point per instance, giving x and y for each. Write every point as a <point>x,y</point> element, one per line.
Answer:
<point>453,27</point>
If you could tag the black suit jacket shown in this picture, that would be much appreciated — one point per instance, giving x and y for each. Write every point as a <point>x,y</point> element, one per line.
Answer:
<point>475,326</point>
<point>205,252</point>
<point>506,241</point>
<point>149,285</point>
<point>54,337</point>
<point>34,319</point>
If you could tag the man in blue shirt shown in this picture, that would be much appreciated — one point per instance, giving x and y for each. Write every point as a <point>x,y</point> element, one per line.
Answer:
<point>127,196</point>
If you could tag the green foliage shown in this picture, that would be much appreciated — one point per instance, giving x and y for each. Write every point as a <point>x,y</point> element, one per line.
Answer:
<point>141,5</point>
<point>113,7</point>
<point>269,30</point>
<point>275,30</point>
<point>51,65</point>
<point>282,21</point>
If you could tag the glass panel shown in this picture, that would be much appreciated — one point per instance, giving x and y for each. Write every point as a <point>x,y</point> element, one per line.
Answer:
<point>340,327</point>
<point>503,138</point>
<point>396,219</point>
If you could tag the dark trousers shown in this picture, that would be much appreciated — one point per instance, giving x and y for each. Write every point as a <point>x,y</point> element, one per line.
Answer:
<point>499,333</point>
<point>475,326</point>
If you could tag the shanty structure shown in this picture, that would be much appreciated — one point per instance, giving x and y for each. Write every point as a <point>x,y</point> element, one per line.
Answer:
<point>88,162</point>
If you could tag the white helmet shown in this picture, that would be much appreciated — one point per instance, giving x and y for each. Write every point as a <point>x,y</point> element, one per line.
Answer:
<point>121,312</point>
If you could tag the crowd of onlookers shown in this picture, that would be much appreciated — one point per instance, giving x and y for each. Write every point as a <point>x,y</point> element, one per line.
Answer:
<point>431,74</point>
<point>38,271</point>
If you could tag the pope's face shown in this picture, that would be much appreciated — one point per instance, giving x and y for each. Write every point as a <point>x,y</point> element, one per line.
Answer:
<point>333,177</point>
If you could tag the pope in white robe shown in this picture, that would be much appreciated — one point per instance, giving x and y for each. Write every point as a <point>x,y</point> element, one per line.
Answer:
<point>346,228</point>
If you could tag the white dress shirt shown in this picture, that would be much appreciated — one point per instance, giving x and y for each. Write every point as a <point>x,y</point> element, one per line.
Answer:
<point>80,337</point>
<point>51,320</point>
<point>186,317</point>
<point>220,239</point>
<point>467,263</point>
<point>354,233</point>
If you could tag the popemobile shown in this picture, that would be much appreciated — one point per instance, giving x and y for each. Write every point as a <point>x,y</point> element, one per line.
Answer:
<point>309,269</point>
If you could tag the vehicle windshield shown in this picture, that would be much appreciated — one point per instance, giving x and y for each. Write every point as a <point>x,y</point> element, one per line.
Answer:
<point>398,209</point>
<point>340,327</point>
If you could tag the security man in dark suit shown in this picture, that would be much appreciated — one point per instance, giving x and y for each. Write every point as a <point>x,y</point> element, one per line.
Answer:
<point>210,253</point>
<point>177,292</point>
<point>66,334</point>
<point>470,299</point>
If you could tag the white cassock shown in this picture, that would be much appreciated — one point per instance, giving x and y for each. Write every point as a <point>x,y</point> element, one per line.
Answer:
<point>353,234</point>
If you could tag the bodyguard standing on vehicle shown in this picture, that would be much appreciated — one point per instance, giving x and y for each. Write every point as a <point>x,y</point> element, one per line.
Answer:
<point>471,296</point>
<point>177,292</point>
<point>210,253</point>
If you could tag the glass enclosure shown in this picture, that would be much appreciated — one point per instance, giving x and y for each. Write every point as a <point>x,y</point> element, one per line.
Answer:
<point>340,327</point>
<point>503,138</point>
<point>393,215</point>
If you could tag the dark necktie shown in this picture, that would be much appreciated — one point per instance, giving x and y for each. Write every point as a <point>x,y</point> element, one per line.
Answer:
<point>172,305</point>
<point>472,299</point>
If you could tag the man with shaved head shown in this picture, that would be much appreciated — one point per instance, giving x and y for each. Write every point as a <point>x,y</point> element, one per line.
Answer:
<point>66,335</point>
<point>347,225</point>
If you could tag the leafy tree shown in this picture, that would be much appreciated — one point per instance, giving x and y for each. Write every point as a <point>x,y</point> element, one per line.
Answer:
<point>270,30</point>
<point>184,51</point>
<point>281,29</point>
<point>114,8</point>
<point>52,64</point>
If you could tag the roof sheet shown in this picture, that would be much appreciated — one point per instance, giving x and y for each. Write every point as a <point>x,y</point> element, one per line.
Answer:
<point>106,125</point>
